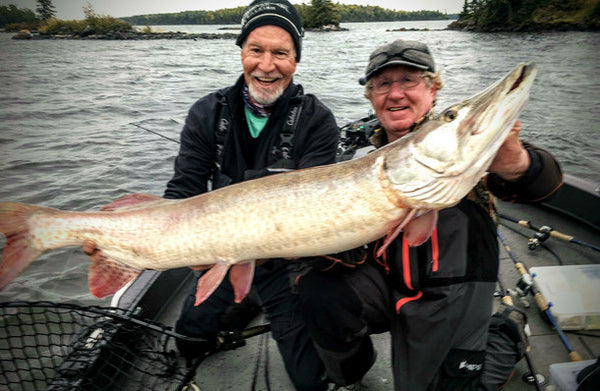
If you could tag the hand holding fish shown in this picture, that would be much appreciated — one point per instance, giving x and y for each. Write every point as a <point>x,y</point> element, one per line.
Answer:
<point>512,159</point>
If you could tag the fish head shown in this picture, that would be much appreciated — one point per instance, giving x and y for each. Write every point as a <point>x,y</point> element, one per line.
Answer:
<point>437,165</point>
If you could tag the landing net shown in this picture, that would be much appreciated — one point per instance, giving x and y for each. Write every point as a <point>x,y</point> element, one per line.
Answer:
<point>59,346</point>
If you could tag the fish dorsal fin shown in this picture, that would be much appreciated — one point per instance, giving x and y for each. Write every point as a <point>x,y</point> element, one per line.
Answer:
<point>133,201</point>
<point>241,276</point>
<point>107,276</point>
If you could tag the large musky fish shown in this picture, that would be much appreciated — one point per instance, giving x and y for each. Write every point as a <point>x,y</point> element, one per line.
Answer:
<point>321,210</point>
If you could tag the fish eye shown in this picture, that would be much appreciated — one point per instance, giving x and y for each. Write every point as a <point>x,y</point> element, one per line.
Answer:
<point>450,115</point>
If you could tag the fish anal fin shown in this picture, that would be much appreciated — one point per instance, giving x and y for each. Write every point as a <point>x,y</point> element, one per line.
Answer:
<point>419,229</point>
<point>107,276</point>
<point>241,276</point>
<point>210,281</point>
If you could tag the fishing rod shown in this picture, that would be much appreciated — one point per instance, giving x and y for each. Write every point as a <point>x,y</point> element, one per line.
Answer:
<point>527,284</point>
<point>544,232</point>
<point>154,132</point>
<point>507,299</point>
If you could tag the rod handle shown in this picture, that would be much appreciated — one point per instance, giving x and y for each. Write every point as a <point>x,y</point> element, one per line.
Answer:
<point>575,356</point>
<point>541,301</point>
<point>561,236</point>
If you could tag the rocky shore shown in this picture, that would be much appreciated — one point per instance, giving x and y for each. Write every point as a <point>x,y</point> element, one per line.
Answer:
<point>524,28</point>
<point>129,35</point>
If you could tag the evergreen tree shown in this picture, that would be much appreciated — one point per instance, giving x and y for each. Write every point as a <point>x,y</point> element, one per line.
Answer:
<point>11,14</point>
<point>323,13</point>
<point>45,9</point>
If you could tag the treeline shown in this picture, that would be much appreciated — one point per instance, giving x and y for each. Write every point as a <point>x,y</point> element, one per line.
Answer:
<point>10,14</point>
<point>362,13</point>
<point>345,13</point>
<point>526,15</point>
<point>222,16</point>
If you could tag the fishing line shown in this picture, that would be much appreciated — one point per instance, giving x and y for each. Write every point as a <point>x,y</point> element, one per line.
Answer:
<point>263,345</point>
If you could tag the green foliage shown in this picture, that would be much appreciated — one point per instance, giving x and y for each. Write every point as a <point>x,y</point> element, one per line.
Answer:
<point>347,13</point>
<point>62,27</point>
<point>594,14</point>
<point>321,13</point>
<point>94,23</point>
<point>223,16</point>
<point>102,24</point>
<point>517,14</point>
<point>11,15</point>
<point>45,9</point>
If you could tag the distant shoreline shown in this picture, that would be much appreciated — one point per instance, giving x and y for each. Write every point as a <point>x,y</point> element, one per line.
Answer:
<point>124,36</point>
<point>139,35</point>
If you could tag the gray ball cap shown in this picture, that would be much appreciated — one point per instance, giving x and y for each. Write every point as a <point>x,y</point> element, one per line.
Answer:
<point>399,52</point>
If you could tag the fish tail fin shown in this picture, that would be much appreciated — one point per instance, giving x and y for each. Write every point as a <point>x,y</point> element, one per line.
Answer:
<point>18,253</point>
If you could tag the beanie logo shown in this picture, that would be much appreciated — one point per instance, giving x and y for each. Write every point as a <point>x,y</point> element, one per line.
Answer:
<point>262,7</point>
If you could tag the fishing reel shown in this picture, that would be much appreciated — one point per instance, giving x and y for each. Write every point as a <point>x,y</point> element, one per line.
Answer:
<point>355,135</point>
<point>524,285</point>
<point>539,237</point>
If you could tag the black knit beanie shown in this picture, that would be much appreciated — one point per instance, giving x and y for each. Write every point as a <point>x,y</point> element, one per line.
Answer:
<point>272,12</point>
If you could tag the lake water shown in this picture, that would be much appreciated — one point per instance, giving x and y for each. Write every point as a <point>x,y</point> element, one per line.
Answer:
<point>68,109</point>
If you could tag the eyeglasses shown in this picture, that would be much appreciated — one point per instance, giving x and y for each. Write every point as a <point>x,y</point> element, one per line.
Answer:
<point>407,81</point>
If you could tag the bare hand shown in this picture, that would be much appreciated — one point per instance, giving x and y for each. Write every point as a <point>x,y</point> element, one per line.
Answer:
<point>512,159</point>
<point>90,249</point>
<point>89,246</point>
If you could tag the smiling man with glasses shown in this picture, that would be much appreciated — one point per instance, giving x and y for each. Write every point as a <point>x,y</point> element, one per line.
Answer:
<point>402,85</point>
<point>436,298</point>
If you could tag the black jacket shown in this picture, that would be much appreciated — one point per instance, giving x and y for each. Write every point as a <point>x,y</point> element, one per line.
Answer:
<point>315,140</point>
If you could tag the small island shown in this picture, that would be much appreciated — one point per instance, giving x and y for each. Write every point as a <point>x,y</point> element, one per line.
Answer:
<point>528,16</point>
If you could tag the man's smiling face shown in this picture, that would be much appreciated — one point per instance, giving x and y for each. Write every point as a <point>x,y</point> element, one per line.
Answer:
<point>269,61</point>
<point>400,108</point>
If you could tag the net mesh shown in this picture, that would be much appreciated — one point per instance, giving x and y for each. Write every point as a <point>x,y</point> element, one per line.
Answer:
<point>59,346</point>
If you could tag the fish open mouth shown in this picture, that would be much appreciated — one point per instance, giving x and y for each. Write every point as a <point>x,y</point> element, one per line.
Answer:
<point>519,80</point>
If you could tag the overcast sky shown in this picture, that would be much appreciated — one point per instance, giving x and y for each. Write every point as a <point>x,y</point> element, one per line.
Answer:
<point>73,9</point>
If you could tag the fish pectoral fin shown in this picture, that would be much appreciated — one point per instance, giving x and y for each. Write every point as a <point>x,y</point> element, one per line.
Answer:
<point>416,229</point>
<point>394,234</point>
<point>107,276</point>
<point>241,276</point>
<point>420,228</point>
<point>210,281</point>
